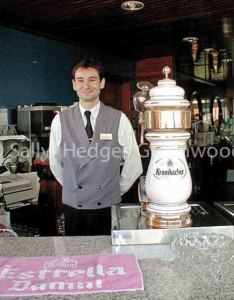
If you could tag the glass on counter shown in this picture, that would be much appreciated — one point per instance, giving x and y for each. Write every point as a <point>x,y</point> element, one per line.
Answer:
<point>208,254</point>
<point>7,130</point>
<point>143,198</point>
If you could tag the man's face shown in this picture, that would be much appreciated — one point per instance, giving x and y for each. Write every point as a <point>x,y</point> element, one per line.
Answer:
<point>87,84</point>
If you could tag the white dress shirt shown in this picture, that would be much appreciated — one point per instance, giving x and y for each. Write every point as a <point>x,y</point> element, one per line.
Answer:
<point>132,167</point>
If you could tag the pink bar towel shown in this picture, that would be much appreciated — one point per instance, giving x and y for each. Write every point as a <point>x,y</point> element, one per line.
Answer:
<point>31,276</point>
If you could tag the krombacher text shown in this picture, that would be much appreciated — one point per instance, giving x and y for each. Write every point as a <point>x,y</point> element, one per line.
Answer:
<point>169,172</point>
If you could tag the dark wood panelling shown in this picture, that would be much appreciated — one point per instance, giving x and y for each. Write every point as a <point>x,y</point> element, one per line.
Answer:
<point>126,99</point>
<point>151,69</point>
<point>117,96</point>
<point>109,95</point>
<point>51,192</point>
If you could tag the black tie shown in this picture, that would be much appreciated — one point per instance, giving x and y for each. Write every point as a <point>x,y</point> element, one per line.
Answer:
<point>88,127</point>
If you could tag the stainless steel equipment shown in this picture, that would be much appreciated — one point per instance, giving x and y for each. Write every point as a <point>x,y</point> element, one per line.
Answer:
<point>16,189</point>
<point>3,116</point>
<point>129,226</point>
<point>35,123</point>
<point>226,209</point>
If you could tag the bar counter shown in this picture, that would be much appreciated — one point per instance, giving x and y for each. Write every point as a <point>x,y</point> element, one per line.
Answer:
<point>164,277</point>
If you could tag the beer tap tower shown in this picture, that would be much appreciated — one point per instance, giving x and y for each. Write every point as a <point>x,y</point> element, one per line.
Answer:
<point>168,179</point>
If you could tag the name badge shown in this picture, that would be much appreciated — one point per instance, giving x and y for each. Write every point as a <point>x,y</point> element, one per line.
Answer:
<point>105,136</point>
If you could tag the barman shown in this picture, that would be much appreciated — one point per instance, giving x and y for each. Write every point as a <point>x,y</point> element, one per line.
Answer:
<point>87,142</point>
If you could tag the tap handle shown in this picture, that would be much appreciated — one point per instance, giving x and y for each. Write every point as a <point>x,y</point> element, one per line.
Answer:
<point>166,71</point>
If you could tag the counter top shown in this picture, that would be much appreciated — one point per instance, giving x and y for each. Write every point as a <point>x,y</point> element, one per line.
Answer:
<point>165,277</point>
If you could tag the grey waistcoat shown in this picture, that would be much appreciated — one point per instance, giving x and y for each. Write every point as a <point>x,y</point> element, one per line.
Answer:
<point>90,175</point>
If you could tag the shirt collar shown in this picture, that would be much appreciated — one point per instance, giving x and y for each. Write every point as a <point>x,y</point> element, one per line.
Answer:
<point>94,111</point>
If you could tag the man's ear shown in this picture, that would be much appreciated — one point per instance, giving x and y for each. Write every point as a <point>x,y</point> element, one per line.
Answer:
<point>74,84</point>
<point>102,84</point>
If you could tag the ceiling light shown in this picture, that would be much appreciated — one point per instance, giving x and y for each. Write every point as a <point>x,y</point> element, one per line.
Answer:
<point>227,60</point>
<point>190,39</point>
<point>193,41</point>
<point>211,51</point>
<point>132,5</point>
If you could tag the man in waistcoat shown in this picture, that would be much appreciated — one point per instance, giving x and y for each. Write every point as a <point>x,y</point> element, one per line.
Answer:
<point>87,143</point>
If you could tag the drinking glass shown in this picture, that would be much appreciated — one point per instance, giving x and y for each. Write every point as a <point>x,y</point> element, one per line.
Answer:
<point>143,198</point>
<point>207,254</point>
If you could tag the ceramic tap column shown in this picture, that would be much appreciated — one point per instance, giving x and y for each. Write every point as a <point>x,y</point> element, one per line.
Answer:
<point>168,179</point>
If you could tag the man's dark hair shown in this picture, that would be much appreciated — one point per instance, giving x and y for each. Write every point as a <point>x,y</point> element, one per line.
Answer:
<point>89,63</point>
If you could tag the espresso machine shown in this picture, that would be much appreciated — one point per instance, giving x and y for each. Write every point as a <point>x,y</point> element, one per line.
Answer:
<point>35,123</point>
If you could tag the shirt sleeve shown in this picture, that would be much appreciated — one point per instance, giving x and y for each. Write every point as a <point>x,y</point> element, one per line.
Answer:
<point>132,167</point>
<point>55,149</point>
